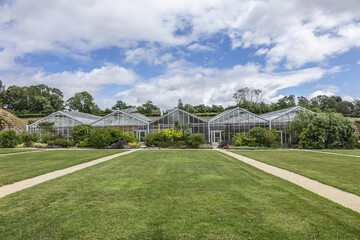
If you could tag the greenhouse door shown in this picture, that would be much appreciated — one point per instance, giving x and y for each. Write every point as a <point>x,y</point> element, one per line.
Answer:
<point>140,134</point>
<point>215,137</point>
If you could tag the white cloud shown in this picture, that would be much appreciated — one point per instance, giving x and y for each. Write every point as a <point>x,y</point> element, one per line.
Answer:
<point>197,85</point>
<point>199,48</point>
<point>77,81</point>
<point>151,55</point>
<point>327,90</point>
<point>297,31</point>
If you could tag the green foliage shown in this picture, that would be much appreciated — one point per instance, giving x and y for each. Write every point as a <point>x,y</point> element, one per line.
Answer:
<point>121,105</point>
<point>29,138</point>
<point>47,127</point>
<point>172,138</point>
<point>243,139</point>
<point>99,138</point>
<point>81,132</point>
<point>326,130</point>
<point>83,102</point>
<point>149,109</point>
<point>46,137</point>
<point>257,136</point>
<point>9,139</point>
<point>60,141</point>
<point>35,99</point>
<point>195,140</point>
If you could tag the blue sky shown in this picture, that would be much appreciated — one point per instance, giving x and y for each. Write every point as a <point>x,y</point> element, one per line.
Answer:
<point>201,52</point>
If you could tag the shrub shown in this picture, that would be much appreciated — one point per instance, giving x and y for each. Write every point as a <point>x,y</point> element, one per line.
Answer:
<point>262,136</point>
<point>195,140</point>
<point>225,144</point>
<point>120,144</point>
<point>98,138</point>
<point>128,137</point>
<point>243,139</point>
<point>46,137</point>
<point>114,135</point>
<point>153,139</point>
<point>81,132</point>
<point>328,130</point>
<point>9,139</point>
<point>28,138</point>
<point>60,141</point>
<point>83,144</point>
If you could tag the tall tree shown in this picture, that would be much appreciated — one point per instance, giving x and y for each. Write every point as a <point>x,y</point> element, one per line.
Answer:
<point>82,102</point>
<point>119,105</point>
<point>2,92</point>
<point>149,108</point>
<point>247,95</point>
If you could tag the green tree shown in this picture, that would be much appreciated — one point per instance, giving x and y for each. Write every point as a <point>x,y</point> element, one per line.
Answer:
<point>2,92</point>
<point>121,105</point>
<point>81,132</point>
<point>149,109</point>
<point>82,102</point>
<point>324,130</point>
<point>16,98</point>
<point>44,99</point>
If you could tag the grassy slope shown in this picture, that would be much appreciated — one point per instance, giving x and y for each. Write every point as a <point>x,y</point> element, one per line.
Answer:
<point>18,167</point>
<point>18,122</point>
<point>15,150</point>
<point>338,171</point>
<point>173,195</point>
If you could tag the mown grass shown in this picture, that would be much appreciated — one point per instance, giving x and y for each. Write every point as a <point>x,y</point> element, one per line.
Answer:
<point>15,150</point>
<point>173,195</point>
<point>342,172</point>
<point>355,152</point>
<point>18,167</point>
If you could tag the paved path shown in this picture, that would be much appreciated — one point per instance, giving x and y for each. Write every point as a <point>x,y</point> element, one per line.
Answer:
<point>343,198</point>
<point>11,188</point>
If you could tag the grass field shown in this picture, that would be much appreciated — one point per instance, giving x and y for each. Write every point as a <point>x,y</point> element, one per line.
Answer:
<point>342,172</point>
<point>16,150</point>
<point>355,152</point>
<point>18,167</point>
<point>173,195</point>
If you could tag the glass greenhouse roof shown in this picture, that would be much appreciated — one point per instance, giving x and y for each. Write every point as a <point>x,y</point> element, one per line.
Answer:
<point>276,114</point>
<point>237,115</point>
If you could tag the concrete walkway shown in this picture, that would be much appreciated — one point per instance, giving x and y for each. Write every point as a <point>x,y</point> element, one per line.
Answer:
<point>27,183</point>
<point>343,198</point>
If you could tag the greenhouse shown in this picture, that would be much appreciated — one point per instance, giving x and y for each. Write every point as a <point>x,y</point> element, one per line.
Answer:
<point>63,123</point>
<point>280,119</point>
<point>196,124</point>
<point>127,120</point>
<point>231,122</point>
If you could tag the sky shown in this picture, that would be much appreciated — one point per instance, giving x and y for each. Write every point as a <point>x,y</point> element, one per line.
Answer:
<point>199,51</point>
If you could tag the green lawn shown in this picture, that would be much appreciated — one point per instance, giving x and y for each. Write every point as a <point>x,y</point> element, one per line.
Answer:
<point>344,151</point>
<point>342,172</point>
<point>173,195</point>
<point>16,150</point>
<point>18,167</point>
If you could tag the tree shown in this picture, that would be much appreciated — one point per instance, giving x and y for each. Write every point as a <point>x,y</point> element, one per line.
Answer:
<point>44,99</point>
<point>15,98</point>
<point>344,107</point>
<point>82,102</point>
<point>121,105</point>
<point>2,92</point>
<point>149,109</point>
<point>285,102</point>
<point>303,101</point>
<point>247,94</point>
<point>324,130</point>
<point>180,104</point>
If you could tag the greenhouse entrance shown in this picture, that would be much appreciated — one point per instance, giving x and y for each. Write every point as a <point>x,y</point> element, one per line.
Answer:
<point>215,137</point>
<point>141,134</point>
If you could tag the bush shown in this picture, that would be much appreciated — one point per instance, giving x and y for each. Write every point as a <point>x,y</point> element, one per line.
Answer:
<point>46,137</point>
<point>262,136</point>
<point>83,144</point>
<point>328,130</point>
<point>225,144</point>
<point>81,132</point>
<point>120,144</point>
<point>60,141</point>
<point>195,140</point>
<point>242,139</point>
<point>9,139</point>
<point>98,138</point>
<point>28,138</point>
